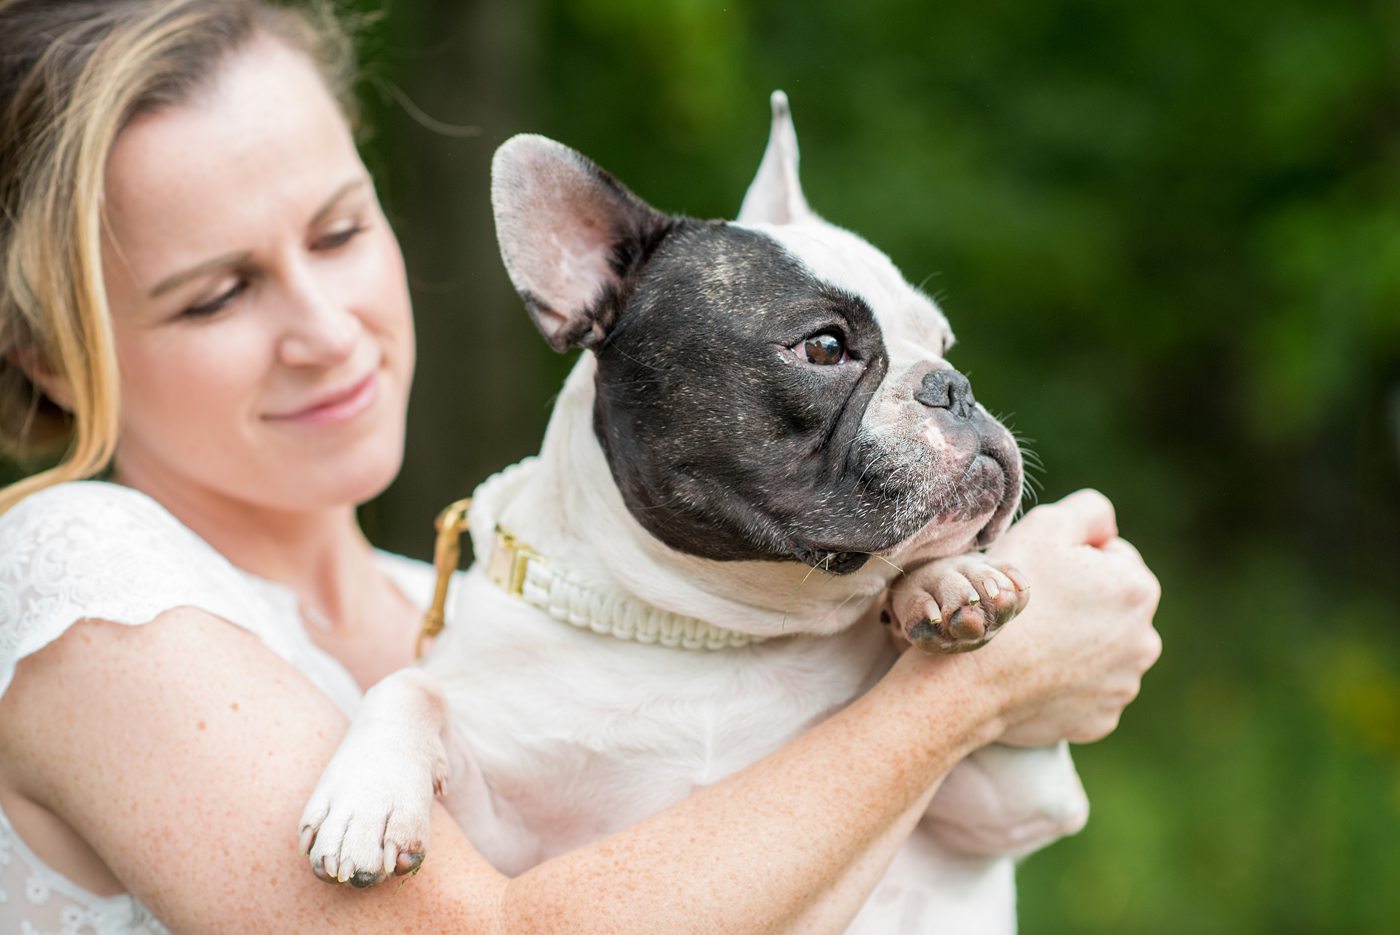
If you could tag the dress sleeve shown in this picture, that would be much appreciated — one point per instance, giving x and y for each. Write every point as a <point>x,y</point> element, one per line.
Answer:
<point>92,550</point>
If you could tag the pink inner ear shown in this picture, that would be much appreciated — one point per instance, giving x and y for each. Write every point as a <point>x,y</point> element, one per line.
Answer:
<point>563,245</point>
<point>560,220</point>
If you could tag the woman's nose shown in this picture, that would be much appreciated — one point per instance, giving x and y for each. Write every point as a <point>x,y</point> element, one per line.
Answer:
<point>320,328</point>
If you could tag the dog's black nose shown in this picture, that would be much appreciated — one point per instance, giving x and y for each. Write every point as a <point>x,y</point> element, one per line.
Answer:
<point>947,389</point>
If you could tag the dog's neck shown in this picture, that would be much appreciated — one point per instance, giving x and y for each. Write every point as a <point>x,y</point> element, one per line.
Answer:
<point>570,510</point>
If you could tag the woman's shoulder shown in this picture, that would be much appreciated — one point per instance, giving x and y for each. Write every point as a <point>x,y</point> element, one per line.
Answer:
<point>98,532</point>
<point>94,550</point>
<point>84,505</point>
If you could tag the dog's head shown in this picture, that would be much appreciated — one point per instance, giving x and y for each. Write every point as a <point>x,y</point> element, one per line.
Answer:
<point>770,388</point>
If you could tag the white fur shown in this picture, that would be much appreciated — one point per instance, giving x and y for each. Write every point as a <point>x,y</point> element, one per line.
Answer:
<point>557,736</point>
<point>775,197</point>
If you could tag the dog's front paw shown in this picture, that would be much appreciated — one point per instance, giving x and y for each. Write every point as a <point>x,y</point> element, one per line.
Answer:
<point>956,604</point>
<point>368,817</point>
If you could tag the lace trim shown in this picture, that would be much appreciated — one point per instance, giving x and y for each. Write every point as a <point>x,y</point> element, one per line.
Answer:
<point>90,549</point>
<point>89,913</point>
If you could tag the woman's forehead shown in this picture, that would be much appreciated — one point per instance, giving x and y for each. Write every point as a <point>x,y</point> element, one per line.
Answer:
<point>263,142</point>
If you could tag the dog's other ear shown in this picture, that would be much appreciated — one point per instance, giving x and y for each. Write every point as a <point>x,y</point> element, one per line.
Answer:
<point>571,236</point>
<point>775,196</point>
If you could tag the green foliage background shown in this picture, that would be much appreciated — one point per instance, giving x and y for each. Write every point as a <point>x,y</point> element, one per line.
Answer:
<point>1168,237</point>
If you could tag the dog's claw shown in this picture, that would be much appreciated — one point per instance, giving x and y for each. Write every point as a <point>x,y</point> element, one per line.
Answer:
<point>320,871</point>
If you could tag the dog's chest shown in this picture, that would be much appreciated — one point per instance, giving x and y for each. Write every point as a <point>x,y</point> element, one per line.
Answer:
<point>582,734</point>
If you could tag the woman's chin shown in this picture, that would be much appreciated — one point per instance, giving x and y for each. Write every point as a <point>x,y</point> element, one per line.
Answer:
<point>370,484</point>
<point>349,483</point>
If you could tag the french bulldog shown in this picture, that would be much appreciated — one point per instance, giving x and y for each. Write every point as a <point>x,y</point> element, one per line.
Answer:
<point>763,435</point>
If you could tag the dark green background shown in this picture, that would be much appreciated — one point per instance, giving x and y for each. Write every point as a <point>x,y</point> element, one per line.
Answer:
<point>1168,237</point>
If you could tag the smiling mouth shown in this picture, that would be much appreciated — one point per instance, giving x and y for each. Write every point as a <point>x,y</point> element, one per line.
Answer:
<point>337,407</point>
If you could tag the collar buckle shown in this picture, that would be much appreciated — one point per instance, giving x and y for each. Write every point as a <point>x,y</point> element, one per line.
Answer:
<point>510,559</point>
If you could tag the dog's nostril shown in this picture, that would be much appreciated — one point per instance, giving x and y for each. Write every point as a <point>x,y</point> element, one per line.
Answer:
<point>945,388</point>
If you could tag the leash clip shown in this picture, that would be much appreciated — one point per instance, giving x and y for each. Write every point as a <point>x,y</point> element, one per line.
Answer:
<point>451,523</point>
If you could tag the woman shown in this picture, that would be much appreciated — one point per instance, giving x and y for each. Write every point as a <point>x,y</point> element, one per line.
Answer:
<point>188,231</point>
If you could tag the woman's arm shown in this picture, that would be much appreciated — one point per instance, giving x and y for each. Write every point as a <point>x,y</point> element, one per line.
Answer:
<point>183,751</point>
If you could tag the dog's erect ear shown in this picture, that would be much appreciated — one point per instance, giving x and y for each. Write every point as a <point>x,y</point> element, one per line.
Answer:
<point>570,235</point>
<point>775,196</point>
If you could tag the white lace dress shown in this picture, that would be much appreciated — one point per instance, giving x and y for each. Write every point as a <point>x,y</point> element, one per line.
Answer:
<point>98,550</point>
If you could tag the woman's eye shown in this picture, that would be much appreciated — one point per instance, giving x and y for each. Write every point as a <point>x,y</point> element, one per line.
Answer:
<point>339,238</point>
<point>218,303</point>
<point>824,349</point>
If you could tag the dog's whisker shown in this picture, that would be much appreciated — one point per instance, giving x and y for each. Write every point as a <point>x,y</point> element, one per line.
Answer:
<point>877,555</point>
<point>791,597</point>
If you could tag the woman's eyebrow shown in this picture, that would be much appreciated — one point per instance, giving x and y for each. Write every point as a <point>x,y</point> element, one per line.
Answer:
<point>334,199</point>
<point>236,259</point>
<point>198,270</point>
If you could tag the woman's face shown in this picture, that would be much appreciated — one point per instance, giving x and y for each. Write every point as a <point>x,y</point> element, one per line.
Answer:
<point>258,297</point>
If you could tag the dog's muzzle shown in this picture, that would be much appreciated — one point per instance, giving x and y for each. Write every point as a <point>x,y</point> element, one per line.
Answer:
<point>948,390</point>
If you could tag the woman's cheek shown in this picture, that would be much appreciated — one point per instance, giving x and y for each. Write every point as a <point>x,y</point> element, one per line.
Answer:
<point>386,289</point>
<point>392,278</point>
<point>216,374</point>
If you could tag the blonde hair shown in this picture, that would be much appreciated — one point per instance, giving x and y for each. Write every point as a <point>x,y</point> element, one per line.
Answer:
<point>73,74</point>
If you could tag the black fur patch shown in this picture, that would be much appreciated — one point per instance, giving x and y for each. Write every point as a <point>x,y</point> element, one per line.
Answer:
<point>723,444</point>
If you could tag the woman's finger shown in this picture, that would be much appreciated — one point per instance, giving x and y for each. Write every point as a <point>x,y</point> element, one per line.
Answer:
<point>1120,546</point>
<point>1084,517</point>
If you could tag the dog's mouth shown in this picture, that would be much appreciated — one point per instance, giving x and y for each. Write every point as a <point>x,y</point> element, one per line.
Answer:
<point>833,561</point>
<point>1001,450</point>
<point>985,488</point>
<point>957,508</point>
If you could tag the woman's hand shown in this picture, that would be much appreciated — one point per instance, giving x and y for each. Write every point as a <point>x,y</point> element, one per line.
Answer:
<point>1068,666</point>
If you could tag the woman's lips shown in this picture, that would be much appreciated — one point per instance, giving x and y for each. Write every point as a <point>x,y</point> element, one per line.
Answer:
<point>335,408</point>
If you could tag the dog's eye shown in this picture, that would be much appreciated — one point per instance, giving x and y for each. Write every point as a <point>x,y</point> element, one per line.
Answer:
<point>824,349</point>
